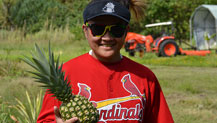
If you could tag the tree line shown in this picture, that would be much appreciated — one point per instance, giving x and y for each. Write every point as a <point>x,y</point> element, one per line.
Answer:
<point>34,15</point>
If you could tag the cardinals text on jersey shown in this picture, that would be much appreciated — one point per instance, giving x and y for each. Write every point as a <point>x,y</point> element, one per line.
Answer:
<point>129,107</point>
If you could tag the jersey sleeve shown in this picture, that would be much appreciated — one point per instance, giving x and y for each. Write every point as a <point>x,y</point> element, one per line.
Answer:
<point>157,110</point>
<point>47,111</point>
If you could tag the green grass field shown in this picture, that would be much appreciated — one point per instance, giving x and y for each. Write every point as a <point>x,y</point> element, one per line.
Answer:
<point>188,82</point>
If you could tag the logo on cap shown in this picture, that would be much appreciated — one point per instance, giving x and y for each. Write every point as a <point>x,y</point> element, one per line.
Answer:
<point>109,8</point>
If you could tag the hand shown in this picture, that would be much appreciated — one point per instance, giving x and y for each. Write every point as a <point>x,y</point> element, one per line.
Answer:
<point>60,120</point>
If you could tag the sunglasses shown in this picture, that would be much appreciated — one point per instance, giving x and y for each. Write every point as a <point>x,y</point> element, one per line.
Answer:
<point>99,30</point>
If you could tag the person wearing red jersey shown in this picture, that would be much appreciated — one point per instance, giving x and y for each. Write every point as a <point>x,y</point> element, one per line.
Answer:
<point>122,90</point>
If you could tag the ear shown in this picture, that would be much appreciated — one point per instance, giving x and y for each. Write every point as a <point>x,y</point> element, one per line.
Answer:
<point>85,30</point>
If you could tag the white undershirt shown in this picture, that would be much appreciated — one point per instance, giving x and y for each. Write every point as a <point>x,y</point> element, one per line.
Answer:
<point>91,53</point>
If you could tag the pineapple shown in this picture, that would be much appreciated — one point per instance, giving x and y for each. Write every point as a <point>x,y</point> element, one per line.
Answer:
<point>49,73</point>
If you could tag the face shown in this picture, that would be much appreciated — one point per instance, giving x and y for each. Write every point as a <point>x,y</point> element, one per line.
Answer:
<point>106,48</point>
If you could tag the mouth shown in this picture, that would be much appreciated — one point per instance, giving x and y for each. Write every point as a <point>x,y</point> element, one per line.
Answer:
<point>107,45</point>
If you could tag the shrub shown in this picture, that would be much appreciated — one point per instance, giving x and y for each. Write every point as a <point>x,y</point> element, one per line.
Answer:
<point>32,14</point>
<point>4,112</point>
<point>30,111</point>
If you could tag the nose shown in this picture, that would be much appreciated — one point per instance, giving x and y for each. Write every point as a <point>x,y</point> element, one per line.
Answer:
<point>107,36</point>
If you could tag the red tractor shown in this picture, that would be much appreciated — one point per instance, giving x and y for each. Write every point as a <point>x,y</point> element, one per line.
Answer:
<point>164,45</point>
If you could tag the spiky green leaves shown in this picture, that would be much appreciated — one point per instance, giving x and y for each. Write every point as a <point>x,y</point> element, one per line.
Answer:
<point>49,73</point>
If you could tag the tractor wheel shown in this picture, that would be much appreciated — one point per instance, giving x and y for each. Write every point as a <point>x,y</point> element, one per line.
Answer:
<point>168,48</point>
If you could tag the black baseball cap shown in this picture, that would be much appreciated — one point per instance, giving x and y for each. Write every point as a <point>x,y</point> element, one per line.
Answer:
<point>106,7</point>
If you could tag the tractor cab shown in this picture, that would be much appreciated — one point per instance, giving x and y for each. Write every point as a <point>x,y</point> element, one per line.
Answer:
<point>164,44</point>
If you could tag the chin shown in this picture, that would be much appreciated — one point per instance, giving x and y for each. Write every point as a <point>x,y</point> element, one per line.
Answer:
<point>107,54</point>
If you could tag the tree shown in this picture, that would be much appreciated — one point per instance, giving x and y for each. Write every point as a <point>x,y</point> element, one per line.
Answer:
<point>178,11</point>
<point>5,6</point>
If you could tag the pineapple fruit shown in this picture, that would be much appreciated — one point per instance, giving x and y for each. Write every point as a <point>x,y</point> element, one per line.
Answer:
<point>49,73</point>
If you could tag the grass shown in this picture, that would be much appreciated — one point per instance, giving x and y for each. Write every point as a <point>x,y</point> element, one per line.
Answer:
<point>190,92</point>
<point>4,112</point>
<point>188,82</point>
<point>180,60</point>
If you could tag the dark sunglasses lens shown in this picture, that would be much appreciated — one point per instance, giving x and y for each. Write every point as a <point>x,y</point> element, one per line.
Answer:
<point>118,31</point>
<point>97,29</point>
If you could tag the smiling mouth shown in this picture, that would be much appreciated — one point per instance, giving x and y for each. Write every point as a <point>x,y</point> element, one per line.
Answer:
<point>107,45</point>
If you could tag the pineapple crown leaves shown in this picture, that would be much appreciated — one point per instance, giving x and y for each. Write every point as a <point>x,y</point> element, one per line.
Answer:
<point>49,73</point>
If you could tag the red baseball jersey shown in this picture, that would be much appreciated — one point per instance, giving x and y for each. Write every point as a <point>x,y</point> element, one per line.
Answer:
<point>124,91</point>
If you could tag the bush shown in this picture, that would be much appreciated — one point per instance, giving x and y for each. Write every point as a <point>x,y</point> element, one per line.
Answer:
<point>29,111</point>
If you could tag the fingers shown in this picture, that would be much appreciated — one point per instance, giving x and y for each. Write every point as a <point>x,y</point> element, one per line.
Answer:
<point>72,120</point>
<point>57,115</point>
<point>56,112</point>
<point>59,119</point>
